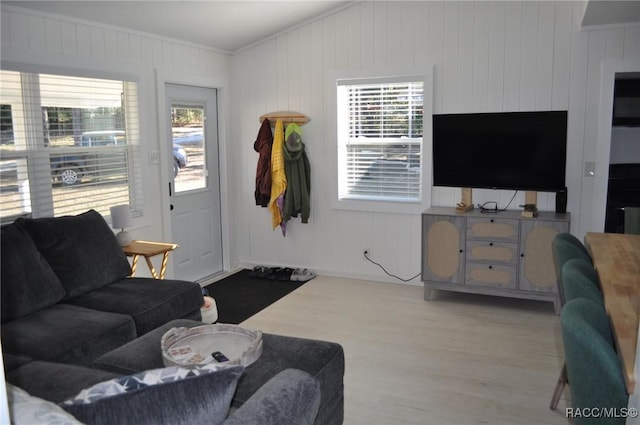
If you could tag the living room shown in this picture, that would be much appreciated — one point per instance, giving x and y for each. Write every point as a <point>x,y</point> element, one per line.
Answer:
<point>493,56</point>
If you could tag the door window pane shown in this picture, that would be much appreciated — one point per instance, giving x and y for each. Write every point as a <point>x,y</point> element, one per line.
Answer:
<point>189,165</point>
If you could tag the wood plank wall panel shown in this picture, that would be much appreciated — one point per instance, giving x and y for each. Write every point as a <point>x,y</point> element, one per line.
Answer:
<point>488,56</point>
<point>62,43</point>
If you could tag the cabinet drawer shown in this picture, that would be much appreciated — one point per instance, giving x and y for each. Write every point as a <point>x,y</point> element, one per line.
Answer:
<point>487,250</point>
<point>495,275</point>
<point>493,228</point>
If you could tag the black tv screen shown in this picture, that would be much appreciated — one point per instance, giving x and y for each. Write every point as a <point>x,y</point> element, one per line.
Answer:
<point>501,150</point>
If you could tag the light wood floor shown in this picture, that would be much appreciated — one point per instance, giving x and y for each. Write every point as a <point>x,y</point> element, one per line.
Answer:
<point>458,359</point>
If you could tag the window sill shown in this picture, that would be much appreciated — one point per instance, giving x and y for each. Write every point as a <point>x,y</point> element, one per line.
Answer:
<point>387,206</point>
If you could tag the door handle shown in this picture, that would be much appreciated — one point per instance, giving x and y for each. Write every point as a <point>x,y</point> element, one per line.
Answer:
<point>171,207</point>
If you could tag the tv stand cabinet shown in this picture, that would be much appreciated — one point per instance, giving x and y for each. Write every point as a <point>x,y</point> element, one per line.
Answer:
<point>502,254</point>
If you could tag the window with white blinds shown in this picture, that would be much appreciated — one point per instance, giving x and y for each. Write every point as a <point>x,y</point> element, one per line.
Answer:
<point>68,144</point>
<point>380,125</point>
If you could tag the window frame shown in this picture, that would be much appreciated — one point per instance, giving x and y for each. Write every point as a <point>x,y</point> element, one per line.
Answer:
<point>41,207</point>
<point>377,204</point>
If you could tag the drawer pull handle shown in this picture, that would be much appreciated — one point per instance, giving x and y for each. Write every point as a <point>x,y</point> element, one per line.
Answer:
<point>460,251</point>
<point>522,255</point>
<point>490,243</point>
<point>492,220</point>
<point>490,267</point>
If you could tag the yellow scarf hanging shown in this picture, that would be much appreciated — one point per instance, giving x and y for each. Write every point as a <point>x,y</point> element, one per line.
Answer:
<point>278,177</point>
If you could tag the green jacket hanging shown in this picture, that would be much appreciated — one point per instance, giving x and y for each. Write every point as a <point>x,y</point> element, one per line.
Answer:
<point>298,172</point>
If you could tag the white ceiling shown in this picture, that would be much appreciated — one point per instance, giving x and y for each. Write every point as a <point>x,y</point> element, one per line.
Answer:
<point>231,25</point>
<point>223,25</point>
<point>611,12</point>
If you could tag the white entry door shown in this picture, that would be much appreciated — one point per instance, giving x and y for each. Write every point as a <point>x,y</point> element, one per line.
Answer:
<point>195,184</point>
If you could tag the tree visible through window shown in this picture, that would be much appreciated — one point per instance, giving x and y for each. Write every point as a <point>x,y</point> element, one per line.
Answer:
<point>380,140</point>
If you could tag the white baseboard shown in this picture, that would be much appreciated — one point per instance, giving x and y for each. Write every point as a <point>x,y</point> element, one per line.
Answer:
<point>337,273</point>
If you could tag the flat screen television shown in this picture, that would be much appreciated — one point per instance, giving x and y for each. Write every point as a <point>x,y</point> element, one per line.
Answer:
<point>501,150</point>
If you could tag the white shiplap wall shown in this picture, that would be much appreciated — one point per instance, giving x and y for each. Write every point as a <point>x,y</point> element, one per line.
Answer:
<point>487,56</point>
<point>49,43</point>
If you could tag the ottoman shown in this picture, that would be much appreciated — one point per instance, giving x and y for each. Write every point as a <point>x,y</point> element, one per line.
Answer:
<point>321,359</point>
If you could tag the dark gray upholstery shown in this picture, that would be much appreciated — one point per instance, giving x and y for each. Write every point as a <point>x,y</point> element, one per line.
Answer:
<point>82,250</point>
<point>28,283</point>
<point>67,334</point>
<point>14,361</point>
<point>67,304</point>
<point>292,397</point>
<point>142,354</point>
<point>65,295</point>
<point>322,360</point>
<point>55,382</point>
<point>196,400</point>
<point>149,302</point>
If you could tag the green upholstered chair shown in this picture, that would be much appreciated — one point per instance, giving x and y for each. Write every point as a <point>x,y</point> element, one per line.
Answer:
<point>593,367</point>
<point>568,249</point>
<point>568,237</point>
<point>580,280</point>
<point>632,220</point>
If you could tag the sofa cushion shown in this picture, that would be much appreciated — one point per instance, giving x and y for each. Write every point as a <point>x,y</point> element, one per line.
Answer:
<point>173,395</point>
<point>82,250</point>
<point>142,353</point>
<point>55,382</point>
<point>290,397</point>
<point>150,302</point>
<point>67,334</point>
<point>14,361</point>
<point>321,359</point>
<point>28,282</point>
<point>26,409</point>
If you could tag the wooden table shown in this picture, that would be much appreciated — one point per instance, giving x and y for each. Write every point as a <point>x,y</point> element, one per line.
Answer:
<point>147,250</point>
<point>616,258</point>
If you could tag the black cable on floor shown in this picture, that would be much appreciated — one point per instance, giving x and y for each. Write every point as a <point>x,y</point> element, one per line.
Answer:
<point>366,255</point>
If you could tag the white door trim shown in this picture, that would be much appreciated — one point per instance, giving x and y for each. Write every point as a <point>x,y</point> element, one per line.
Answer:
<point>221,85</point>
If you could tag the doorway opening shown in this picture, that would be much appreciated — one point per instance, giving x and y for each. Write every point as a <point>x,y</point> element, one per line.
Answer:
<point>623,187</point>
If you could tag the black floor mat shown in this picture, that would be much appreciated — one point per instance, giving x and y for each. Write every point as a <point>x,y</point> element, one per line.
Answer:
<point>239,296</point>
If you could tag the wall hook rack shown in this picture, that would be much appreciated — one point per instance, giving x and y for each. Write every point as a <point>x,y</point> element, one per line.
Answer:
<point>287,117</point>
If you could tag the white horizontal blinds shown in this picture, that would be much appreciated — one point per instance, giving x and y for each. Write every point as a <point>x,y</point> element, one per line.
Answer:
<point>71,144</point>
<point>383,146</point>
<point>15,187</point>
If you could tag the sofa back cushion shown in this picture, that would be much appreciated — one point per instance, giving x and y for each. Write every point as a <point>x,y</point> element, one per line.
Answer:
<point>28,283</point>
<point>82,250</point>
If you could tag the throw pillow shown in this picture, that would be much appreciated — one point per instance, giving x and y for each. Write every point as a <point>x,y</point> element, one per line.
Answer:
<point>28,282</point>
<point>81,249</point>
<point>28,410</point>
<point>175,395</point>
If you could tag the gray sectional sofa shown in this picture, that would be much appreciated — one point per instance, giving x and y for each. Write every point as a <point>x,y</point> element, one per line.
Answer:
<point>66,296</point>
<point>74,322</point>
